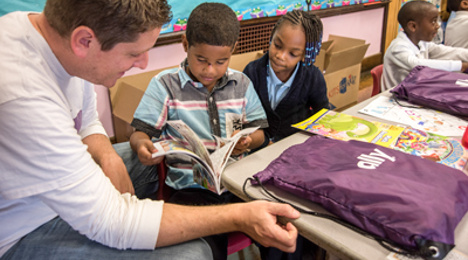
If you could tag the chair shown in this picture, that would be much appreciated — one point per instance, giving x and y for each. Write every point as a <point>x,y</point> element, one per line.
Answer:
<point>236,240</point>
<point>376,73</point>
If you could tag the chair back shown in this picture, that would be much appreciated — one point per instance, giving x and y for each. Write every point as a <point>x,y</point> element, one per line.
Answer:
<point>376,73</point>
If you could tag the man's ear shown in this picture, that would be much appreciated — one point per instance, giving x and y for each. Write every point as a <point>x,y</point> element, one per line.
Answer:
<point>184,42</point>
<point>81,40</point>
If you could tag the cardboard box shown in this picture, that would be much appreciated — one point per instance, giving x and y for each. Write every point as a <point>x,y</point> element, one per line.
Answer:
<point>342,69</point>
<point>239,61</point>
<point>320,59</point>
<point>128,91</point>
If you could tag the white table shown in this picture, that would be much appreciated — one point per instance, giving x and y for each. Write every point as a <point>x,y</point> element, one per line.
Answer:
<point>334,238</point>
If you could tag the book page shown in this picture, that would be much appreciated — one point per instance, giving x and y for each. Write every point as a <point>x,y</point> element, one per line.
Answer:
<point>207,172</point>
<point>192,139</point>
<point>221,156</point>
<point>173,147</point>
<point>424,119</point>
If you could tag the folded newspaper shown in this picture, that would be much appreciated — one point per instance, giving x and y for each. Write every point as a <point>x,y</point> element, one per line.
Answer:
<point>207,167</point>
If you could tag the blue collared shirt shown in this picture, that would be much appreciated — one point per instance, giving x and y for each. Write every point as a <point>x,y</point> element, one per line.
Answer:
<point>277,89</point>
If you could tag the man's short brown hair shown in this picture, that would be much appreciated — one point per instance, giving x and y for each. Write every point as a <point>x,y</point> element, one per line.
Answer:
<point>113,21</point>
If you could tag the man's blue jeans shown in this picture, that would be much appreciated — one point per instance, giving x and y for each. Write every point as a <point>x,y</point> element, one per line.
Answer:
<point>57,240</point>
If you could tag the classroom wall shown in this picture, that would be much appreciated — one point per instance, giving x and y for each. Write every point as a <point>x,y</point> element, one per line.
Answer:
<point>363,25</point>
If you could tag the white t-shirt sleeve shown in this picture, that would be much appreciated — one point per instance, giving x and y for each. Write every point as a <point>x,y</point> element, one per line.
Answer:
<point>90,118</point>
<point>43,156</point>
<point>96,209</point>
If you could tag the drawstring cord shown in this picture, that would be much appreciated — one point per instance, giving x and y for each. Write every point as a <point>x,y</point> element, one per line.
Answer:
<point>387,244</point>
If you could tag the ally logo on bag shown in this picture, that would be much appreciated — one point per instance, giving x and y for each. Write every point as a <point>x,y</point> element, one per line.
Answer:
<point>373,160</point>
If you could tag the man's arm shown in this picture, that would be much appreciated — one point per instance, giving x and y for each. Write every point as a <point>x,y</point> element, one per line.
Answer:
<point>111,164</point>
<point>258,219</point>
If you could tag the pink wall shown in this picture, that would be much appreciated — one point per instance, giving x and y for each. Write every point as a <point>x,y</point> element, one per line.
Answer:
<point>362,25</point>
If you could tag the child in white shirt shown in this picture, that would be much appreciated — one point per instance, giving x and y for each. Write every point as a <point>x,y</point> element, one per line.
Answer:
<point>413,46</point>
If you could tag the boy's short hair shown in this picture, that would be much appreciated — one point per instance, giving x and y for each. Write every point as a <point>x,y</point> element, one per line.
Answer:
<point>213,24</point>
<point>453,5</point>
<point>413,11</point>
<point>113,21</point>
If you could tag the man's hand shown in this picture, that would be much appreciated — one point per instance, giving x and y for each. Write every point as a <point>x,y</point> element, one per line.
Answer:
<point>258,219</point>
<point>260,222</point>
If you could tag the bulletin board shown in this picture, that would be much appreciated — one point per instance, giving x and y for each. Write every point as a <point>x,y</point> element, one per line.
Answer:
<point>245,9</point>
<point>7,6</point>
<point>248,9</point>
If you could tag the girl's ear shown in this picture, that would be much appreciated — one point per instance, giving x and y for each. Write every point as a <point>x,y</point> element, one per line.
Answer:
<point>81,40</point>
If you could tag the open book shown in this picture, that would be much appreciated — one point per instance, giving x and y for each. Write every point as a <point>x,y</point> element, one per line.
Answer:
<point>438,148</point>
<point>207,167</point>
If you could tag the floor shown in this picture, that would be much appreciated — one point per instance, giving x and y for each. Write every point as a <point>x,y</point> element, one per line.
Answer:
<point>365,91</point>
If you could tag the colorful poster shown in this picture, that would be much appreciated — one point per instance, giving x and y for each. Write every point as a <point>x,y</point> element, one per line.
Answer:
<point>246,10</point>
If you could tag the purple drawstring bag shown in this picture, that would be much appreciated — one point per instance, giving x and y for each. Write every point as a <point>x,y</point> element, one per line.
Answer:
<point>399,199</point>
<point>437,89</point>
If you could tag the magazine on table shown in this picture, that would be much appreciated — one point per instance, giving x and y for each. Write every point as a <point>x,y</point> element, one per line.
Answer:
<point>438,148</point>
<point>346,127</point>
<point>207,167</point>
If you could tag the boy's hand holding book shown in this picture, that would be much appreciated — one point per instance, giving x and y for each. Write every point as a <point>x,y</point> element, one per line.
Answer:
<point>145,149</point>
<point>242,146</point>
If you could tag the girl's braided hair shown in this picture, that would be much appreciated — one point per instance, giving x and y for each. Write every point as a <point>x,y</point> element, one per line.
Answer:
<point>313,30</point>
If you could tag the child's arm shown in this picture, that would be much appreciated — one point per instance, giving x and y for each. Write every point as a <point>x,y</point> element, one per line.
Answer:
<point>142,145</point>
<point>447,54</point>
<point>464,67</point>
<point>440,57</point>
<point>247,143</point>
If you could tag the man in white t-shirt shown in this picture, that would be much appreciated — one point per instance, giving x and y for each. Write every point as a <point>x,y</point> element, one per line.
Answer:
<point>64,190</point>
